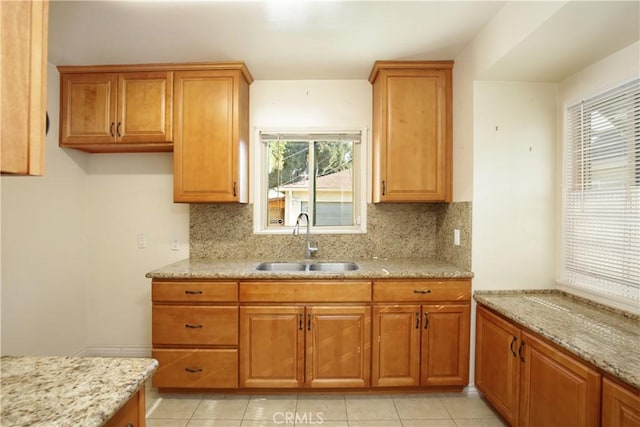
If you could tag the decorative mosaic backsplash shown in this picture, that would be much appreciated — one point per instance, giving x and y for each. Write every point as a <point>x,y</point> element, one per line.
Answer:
<point>399,230</point>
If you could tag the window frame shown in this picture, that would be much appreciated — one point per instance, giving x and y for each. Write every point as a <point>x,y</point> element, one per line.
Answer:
<point>605,291</point>
<point>359,183</point>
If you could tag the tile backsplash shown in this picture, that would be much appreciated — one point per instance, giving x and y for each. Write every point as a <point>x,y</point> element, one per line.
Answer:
<point>398,230</point>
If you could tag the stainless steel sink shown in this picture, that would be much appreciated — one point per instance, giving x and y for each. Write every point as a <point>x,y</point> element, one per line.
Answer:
<point>332,267</point>
<point>282,266</point>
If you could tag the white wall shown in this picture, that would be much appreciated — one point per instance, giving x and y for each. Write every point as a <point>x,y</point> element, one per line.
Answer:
<point>44,251</point>
<point>129,194</point>
<point>514,196</point>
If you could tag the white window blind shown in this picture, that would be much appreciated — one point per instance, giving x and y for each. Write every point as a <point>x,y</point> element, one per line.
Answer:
<point>602,194</point>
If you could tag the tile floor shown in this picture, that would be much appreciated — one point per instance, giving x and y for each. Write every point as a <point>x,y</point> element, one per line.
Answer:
<point>395,410</point>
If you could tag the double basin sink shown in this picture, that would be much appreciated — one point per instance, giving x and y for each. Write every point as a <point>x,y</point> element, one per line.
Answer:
<point>331,267</point>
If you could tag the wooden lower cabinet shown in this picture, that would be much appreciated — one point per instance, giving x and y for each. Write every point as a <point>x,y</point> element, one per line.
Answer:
<point>278,342</point>
<point>556,389</point>
<point>338,346</point>
<point>272,346</point>
<point>421,345</point>
<point>497,363</point>
<point>421,333</point>
<point>531,382</point>
<point>196,368</point>
<point>132,414</point>
<point>620,405</point>
<point>195,334</point>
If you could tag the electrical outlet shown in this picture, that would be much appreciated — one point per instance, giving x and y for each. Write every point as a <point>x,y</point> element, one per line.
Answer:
<point>456,237</point>
<point>175,245</point>
<point>142,241</point>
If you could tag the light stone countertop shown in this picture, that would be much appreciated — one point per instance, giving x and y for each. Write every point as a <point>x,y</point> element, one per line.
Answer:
<point>68,391</point>
<point>607,338</point>
<point>379,268</point>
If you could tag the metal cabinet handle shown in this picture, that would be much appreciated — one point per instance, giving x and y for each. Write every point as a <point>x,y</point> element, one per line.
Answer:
<point>422,291</point>
<point>426,319</point>
<point>188,292</point>
<point>300,327</point>
<point>384,187</point>
<point>234,189</point>
<point>309,322</point>
<point>187,325</point>
<point>520,351</point>
<point>511,346</point>
<point>118,130</point>
<point>417,320</point>
<point>111,128</point>
<point>193,370</point>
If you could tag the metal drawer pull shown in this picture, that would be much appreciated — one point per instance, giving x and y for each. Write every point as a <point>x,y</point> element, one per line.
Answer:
<point>187,325</point>
<point>193,370</point>
<point>422,291</point>
<point>188,292</point>
<point>511,346</point>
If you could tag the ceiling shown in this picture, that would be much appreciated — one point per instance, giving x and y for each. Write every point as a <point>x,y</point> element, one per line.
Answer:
<point>305,39</point>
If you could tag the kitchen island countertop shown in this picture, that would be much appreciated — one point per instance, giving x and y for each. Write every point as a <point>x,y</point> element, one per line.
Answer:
<point>607,338</point>
<point>378,268</point>
<point>68,391</point>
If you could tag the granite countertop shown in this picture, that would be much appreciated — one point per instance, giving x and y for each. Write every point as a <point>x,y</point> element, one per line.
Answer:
<point>379,268</point>
<point>68,391</point>
<point>607,338</point>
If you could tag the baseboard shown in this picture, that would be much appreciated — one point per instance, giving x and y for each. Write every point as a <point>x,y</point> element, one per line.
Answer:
<point>114,351</point>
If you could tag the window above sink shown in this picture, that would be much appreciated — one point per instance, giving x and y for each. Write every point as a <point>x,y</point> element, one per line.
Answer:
<point>321,173</point>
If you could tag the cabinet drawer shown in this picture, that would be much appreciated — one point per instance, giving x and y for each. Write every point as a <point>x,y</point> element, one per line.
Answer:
<point>168,291</point>
<point>195,325</point>
<point>196,368</point>
<point>422,290</point>
<point>306,291</point>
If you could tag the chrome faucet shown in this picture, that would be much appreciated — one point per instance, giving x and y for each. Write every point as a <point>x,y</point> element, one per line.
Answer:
<point>296,231</point>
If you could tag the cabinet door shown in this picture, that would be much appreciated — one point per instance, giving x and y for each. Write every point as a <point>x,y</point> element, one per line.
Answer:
<point>556,389</point>
<point>23,86</point>
<point>497,364</point>
<point>412,154</point>
<point>620,407</point>
<point>88,108</point>
<point>445,345</point>
<point>145,107</point>
<point>206,136</point>
<point>132,413</point>
<point>271,346</point>
<point>396,345</point>
<point>338,346</point>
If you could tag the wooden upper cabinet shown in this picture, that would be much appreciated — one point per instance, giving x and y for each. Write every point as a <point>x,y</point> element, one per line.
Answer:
<point>211,139</point>
<point>116,111</point>
<point>412,131</point>
<point>23,85</point>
